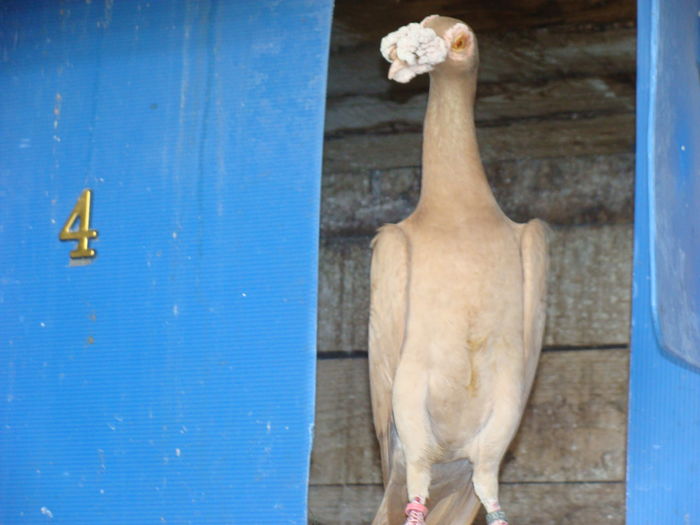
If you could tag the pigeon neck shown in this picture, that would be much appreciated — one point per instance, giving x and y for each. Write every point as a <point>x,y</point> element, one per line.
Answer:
<point>453,182</point>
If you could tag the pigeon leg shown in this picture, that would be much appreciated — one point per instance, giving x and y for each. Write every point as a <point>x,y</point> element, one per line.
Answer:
<point>495,437</point>
<point>486,488</point>
<point>418,483</point>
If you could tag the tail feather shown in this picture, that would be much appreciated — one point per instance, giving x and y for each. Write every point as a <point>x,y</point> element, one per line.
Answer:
<point>458,508</point>
<point>452,499</point>
<point>391,509</point>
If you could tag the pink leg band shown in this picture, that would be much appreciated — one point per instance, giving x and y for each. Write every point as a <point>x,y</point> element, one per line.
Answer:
<point>416,506</point>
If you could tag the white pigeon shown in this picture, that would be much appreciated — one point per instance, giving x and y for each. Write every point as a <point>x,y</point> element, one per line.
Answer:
<point>457,306</point>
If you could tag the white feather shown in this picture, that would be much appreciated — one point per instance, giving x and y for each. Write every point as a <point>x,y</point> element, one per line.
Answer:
<point>420,48</point>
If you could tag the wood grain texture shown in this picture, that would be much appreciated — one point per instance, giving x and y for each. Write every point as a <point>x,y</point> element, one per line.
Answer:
<point>508,57</point>
<point>589,289</point>
<point>573,428</point>
<point>357,21</point>
<point>595,189</point>
<point>496,104</point>
<point>536,504</point>
<point>553,138</point>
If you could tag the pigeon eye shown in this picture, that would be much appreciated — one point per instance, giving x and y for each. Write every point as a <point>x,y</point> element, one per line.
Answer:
<point>459,43</point>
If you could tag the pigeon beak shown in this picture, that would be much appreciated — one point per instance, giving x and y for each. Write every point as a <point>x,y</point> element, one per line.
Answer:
<point>396,66</point>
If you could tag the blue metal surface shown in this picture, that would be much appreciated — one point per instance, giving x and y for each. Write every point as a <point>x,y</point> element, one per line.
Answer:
<point>172,379</point>
<point>663,458</point>
<point>674,175</point>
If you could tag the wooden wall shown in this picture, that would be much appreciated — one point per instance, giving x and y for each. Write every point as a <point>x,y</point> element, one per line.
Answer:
<point>555,113</point>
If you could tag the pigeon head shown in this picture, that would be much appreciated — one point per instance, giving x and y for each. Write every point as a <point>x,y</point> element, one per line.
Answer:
<point>437,43</point>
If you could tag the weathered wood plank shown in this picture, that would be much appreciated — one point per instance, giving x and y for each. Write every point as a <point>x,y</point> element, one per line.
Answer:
<point>495,103</point>
<point>573,428</point>
<point>345,449</point>
<point>602,135</point>
<point>343,295</point>
<point>344,504</point>
<point>590,286</point>
<point>537,504</point>
<point>575,425</point>
<point>570,190</point>
<point>505,57</point>
<point>566,191</point>
<point>356,21</point>
<point>589,298</point>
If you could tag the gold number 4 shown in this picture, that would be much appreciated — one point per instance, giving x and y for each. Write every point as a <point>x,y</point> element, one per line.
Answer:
<point>83,233</point>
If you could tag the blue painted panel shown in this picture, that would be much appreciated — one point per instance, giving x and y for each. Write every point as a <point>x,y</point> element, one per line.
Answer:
<point>674,172</point>
<point>172,379</point>
<point>663,453</point>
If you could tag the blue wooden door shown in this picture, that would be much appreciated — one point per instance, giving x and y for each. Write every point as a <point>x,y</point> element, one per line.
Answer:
<point>664,423</point>
<point>169,378</point>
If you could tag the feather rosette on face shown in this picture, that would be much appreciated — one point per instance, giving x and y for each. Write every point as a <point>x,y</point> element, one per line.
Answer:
<point>412,50</point>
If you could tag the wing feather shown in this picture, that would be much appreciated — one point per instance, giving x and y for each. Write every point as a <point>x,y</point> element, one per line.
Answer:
<point>535,257</point>
<point>387,324</point>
